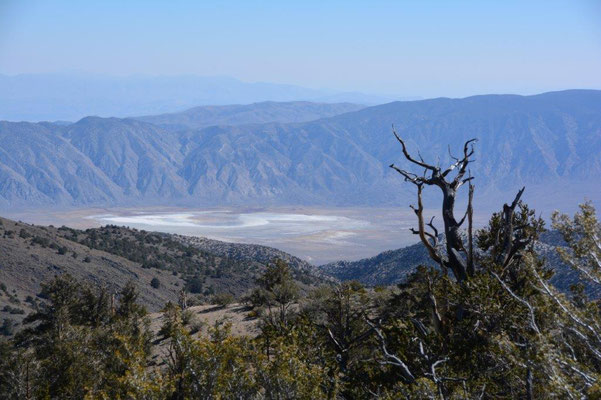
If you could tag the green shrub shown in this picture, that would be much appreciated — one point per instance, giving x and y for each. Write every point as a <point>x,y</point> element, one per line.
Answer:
<point>194,285</point>
<point>8,327</point>
<point>13,310</point>
<point>223,299</point>
<point>42,241</point>
<point>155,283</point>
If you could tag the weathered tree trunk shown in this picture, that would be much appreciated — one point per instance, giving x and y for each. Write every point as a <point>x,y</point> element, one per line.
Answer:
<point>529,394</point>
<point>458,258</point>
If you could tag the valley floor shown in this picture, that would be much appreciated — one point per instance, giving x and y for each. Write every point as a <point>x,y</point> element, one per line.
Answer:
<point>316,235</point>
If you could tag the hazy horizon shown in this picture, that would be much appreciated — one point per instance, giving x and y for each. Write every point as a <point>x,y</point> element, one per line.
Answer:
<point>391,96</point>
<point>433,49</point>
<point>69,97</point>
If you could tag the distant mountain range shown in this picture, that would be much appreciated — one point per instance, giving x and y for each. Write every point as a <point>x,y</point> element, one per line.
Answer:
<point>69,97</point>
<point>264,112</point>
<point>232,156</point>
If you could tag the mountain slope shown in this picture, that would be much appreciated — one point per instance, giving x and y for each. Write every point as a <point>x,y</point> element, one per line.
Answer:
<point>31,255</point>
<point>393,266</point>
<point>39,166</point>
<point>111,256</point>
<point>141,159</point>
<point>265,112</point>
<point>387,268</point>
<point>548,142</point>
<point>252,253</point>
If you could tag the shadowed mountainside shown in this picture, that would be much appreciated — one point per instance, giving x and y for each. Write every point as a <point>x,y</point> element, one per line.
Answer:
<point>393,266</point>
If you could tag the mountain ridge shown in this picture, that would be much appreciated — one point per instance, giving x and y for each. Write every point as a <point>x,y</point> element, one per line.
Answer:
<point>394,266</point>
<point>241,114</point>
<point>111,256</point>
<point>547,142</point>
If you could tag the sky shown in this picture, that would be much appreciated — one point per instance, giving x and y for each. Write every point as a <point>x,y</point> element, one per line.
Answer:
<point>407,48</point>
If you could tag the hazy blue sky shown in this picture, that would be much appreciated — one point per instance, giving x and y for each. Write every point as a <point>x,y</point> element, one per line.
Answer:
<point>425,48</point>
